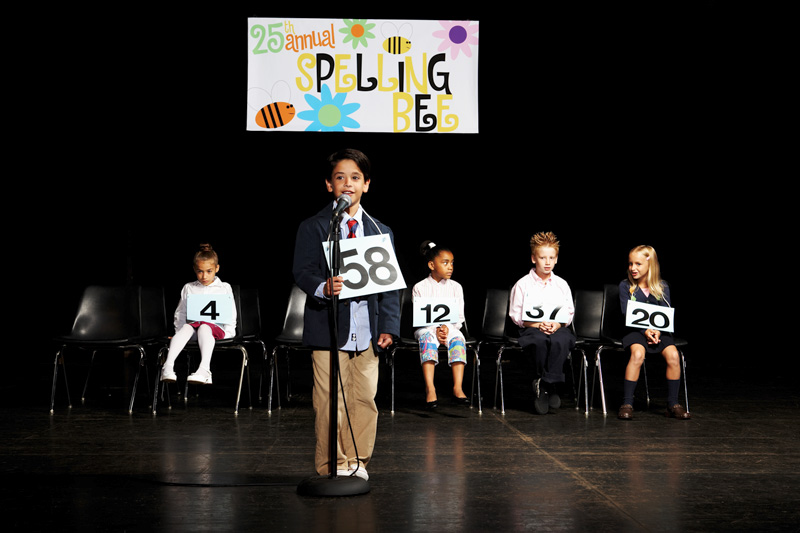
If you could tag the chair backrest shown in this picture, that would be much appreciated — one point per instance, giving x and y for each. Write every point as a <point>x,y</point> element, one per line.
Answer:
<point>153,313</point>
<point>495,312</point>
<point>612,323</point>
<point>240,315</point>
<point>293,321</point>
<point>588,314</point>
<point>406,314</point>
<point>250,319</point>
<point>107,313</point>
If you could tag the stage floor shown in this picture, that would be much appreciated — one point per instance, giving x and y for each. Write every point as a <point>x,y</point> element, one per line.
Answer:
<point>198,467</point>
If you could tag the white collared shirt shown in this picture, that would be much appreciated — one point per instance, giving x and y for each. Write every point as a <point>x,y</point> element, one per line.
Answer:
<point>195,287</point>
<point>532,288</point>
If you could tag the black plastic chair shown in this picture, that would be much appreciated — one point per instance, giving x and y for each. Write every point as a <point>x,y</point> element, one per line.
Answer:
<point>612,327</point>
<point>407,341</point>
<point>494,332</point>
<point>290,338</point>
<point>108,318</point>
<point>237,343</point>
<point>586,326</point>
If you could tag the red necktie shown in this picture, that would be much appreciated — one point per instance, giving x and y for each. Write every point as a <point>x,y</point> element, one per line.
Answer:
<point>351,225</point>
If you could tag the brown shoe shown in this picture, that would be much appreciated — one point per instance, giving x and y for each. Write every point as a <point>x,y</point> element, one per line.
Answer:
<point>677,411</point>
<point>625,412</point>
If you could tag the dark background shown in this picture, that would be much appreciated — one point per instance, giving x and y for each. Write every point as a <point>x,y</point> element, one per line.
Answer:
<point>629,124</point>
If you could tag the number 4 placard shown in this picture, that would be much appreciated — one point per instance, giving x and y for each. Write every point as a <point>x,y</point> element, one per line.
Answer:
<point>368,266</point>
<point>217,308</point>
<point>431,311</point>
<point>649,316</point>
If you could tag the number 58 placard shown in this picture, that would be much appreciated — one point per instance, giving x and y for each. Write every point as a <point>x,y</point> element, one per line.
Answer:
<point>649,316</point>
<point>368,266</point>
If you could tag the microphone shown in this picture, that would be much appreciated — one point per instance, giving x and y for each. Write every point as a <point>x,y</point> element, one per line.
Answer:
<point>342,203</point>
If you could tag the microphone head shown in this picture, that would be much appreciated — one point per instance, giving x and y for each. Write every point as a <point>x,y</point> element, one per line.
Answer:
<point>343,200</point>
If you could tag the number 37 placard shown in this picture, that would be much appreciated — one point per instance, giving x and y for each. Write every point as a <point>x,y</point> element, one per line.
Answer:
<point>368,266</point>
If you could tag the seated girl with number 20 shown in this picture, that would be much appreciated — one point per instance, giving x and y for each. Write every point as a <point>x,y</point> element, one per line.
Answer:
<point>644,284</point>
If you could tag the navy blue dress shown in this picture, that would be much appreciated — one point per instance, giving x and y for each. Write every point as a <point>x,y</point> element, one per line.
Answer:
<point>634,335</point>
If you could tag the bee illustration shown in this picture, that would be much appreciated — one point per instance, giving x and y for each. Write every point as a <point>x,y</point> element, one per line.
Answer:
<point>398,44</point>
<point>273,115</point>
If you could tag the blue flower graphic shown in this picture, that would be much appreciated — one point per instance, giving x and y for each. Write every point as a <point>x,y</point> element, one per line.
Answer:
<point>329,113</point>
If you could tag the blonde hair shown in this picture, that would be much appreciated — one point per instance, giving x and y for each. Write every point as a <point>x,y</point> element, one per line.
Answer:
<point>206,253</point>
<point>547,239</point>
<point>654,282</point>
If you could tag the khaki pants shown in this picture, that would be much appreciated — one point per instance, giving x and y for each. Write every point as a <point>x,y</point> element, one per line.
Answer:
<point>359,379</point>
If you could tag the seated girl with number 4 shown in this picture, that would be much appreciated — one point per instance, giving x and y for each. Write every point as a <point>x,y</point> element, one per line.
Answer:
<point>644,284</point>
<point>206,266</point>
<point>439,284</point>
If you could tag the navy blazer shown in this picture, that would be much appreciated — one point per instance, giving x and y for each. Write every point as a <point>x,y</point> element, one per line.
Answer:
<point>310,269</point>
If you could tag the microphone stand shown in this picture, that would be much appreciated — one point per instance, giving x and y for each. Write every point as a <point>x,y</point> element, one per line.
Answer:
<point>333,484</point>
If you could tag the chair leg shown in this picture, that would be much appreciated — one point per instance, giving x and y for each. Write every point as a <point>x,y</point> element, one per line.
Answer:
<point>498,382</point>
<point>241,380</point>
<point>59,360</point>
<point>476,377</point>
<point>599,370</point>
<point>391,361</point>
<point>646,386</point>
<point>582,379</point>
<point>88,374</point>
<point>685,387</point>
<point>142,359</point>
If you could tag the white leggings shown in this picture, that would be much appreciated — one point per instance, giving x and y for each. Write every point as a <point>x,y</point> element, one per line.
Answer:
<point>205,340</point>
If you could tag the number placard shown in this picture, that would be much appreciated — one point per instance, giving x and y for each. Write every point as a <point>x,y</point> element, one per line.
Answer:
<point>648,316</point>
<point>368,266</point>
<point>434,311</point>
<point>545,312</point>
<point>216,308</point>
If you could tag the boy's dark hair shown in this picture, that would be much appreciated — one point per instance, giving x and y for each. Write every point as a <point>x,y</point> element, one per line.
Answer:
<point>359,157</point>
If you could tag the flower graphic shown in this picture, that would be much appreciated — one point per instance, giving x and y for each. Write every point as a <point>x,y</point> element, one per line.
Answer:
<point>357,31</point>
<point>457,36</point>
<point>329,113</point>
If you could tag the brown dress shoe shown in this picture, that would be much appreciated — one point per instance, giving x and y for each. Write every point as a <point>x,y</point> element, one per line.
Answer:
<point>677,411</point>
<point>625,412</point>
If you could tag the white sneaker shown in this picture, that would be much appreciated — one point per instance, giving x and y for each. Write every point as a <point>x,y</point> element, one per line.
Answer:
<point>168,375</point>
<point>359,471</point>
<point>201,377</point>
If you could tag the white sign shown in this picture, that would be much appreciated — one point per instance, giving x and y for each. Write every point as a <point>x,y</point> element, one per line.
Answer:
<point>215,308</point>
<point>368,266</point>
<point>362,75</point>
<point>649,316</point>
<point>434,311</point>
<point>545,312</point>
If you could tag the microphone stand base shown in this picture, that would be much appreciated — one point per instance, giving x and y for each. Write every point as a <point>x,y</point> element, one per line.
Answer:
<point>333,486</point>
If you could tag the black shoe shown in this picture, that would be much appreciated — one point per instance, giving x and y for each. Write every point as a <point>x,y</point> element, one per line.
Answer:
<point>431,405</point>
<point>461,401</point>
<point>541,399</point>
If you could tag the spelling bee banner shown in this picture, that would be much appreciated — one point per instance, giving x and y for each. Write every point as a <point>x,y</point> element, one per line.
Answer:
<point>362,75</point>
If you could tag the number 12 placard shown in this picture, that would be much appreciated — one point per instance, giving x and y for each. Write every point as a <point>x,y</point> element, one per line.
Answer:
<point>368,266</point>
<point>434,311</point>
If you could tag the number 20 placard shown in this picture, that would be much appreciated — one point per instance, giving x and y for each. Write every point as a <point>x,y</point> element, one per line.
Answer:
<point>368,266</point>
<point>649,316</point>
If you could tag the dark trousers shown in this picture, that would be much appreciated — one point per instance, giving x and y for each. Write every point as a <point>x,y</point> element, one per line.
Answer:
<point>548,352</point>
